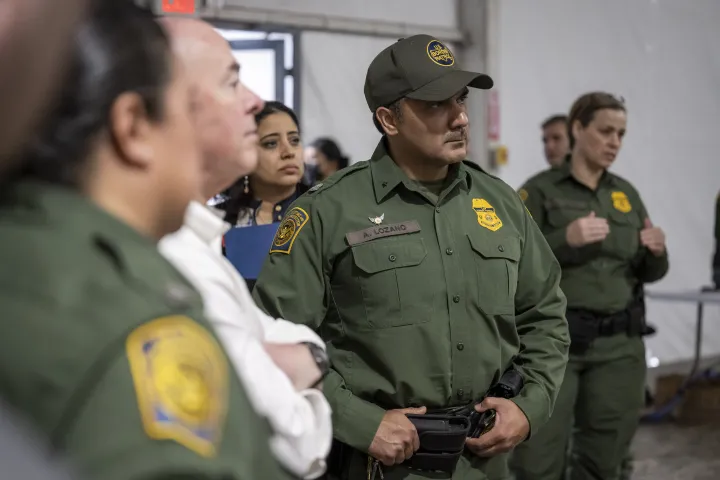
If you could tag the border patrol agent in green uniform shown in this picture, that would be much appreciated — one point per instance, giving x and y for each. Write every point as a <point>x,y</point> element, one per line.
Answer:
<point>553,138</point>
<point>105,348</point>
<point>600,232</point>
<point>426,277</point>
<point>716,259</point>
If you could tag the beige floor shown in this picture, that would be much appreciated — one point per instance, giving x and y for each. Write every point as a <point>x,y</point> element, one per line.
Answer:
<point>668,451</point>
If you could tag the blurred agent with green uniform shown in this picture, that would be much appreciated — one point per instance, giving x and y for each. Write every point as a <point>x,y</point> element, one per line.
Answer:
<point>601,234</point>
<point>105,349</point>
<point>426,277</point>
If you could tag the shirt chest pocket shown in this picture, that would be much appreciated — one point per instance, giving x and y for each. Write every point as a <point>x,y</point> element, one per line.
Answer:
<point>496,261</point>
<point>562,212</point>
<point>624,239</point>
<point>393,283</point>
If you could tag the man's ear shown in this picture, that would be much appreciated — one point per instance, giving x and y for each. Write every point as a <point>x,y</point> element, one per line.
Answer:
<point>130,130</point>
<point>576,128</point>
<point>388,120</point>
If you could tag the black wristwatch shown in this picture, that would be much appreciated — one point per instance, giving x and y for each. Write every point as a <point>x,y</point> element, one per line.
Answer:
<point>321,360</point>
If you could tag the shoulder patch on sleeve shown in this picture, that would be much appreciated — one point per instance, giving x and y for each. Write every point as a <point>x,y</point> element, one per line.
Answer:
<point>181,381</point>
<point>288,230</point>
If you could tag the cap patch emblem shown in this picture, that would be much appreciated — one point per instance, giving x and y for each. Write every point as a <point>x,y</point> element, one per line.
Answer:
<point>440,54</point>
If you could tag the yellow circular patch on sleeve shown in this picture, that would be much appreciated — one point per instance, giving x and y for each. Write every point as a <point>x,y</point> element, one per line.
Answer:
<point>180,375</point>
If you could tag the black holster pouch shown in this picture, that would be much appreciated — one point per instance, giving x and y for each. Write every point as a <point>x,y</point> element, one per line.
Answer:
<point>585,325</point>
<point>583,328</point>
<point>442,441</point>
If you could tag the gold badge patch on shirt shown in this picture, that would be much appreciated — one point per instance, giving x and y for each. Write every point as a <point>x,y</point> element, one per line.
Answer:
<point>486,214</point>
<point>620,202</point>
<point>181,381</point>
<point>288,230</point>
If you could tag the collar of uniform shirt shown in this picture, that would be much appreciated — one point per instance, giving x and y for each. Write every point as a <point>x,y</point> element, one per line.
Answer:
<point>387,175</point>
<point>564,172</point>
<point>206,222</point>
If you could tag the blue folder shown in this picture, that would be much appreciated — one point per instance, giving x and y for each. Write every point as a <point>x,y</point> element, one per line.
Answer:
<point>247,247</point>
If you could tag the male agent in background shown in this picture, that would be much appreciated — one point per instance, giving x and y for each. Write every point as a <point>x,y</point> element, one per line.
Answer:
<point>426,277</point>
<point>555,140</point>
<point>556,144</point>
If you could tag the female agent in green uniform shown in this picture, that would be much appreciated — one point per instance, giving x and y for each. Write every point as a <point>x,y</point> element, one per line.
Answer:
<point>607,246</point>
<point>105,348</point>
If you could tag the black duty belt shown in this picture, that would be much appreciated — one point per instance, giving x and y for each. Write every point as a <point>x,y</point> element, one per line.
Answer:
<point>586,325</point>
<point>442,432</point>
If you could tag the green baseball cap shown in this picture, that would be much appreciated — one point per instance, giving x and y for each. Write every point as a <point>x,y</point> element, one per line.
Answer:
<point>418,67</point>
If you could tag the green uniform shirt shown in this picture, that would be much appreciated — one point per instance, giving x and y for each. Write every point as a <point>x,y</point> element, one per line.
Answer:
<point>599,276</point>
<point>422,303</point>
<point>106,350</point>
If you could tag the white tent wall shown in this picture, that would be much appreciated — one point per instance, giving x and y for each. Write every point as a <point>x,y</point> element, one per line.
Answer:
<point>339,39</point>
<point>332,79</point>
<point>661,56</point>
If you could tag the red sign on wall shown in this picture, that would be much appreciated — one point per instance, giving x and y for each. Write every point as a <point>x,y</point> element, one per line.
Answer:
<point>493,119</point>
<point>178,6</point>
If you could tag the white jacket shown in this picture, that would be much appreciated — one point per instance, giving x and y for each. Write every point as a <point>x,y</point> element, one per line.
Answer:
<point>300,420</point>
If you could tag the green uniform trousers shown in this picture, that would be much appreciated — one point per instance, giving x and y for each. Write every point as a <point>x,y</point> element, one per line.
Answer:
<point>603,391</point>
<point>495,468</point>
<point>626,466</point>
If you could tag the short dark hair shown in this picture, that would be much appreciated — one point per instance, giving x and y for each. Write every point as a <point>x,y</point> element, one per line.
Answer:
<point>584,108</point>
<point>276,107</point>
<point>559,118</point>
<point>332,151</point>
<point>395,108</point>
<point>118,48</point>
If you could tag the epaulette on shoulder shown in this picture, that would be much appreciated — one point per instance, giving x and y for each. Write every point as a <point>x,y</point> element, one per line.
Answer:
<point>337,177</point>
<point>619,179</point>
<point>474,166</point>
<point>541,175</point>
<point>478,168</point>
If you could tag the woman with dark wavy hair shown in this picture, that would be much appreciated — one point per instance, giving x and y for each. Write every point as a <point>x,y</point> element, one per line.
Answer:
<point>264,196</point>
